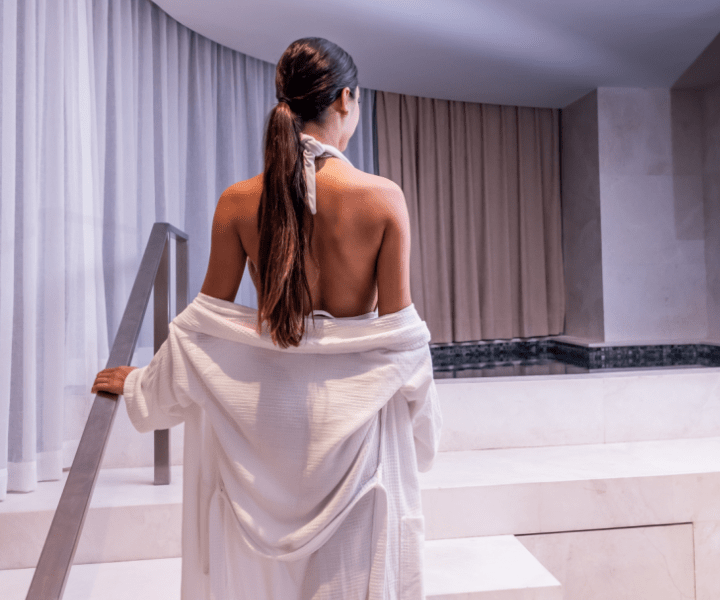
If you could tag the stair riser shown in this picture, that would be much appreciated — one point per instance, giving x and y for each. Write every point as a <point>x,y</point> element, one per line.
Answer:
<point>570,506</point>
<point>109,535</point>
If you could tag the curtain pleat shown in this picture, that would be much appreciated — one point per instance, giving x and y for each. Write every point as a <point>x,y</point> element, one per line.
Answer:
<point>112,116</point>
<point>482,184</point>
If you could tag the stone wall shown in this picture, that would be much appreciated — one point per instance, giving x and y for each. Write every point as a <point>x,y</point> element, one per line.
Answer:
<point>647,205</point>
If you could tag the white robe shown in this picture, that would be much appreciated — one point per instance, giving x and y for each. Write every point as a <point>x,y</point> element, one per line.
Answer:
<point>300,464</point>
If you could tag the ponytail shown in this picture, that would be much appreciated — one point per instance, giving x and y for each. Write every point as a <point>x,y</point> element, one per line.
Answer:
<point>284,294</point>
<point>310,75</point>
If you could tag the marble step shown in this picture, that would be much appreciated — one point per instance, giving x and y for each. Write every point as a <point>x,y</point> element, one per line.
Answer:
<point>129,519</point>
<point>596,408</point>
<point>492,568</point>
<point>467,494</point>
<point>571,488</point>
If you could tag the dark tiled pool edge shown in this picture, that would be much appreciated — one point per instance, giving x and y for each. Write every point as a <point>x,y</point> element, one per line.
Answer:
<point>461,355</point>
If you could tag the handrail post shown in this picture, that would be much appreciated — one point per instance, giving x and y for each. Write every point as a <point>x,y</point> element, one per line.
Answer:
<point>161,318</point>
<point>181,274</point>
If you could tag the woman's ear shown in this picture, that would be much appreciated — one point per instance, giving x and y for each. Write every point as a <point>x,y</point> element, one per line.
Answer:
<point>344,98</point>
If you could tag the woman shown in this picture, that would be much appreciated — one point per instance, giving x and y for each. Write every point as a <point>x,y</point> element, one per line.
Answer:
<point>302,438</point>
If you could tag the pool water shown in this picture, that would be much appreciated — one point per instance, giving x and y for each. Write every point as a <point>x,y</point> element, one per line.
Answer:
<point>536,367</point>
<point>510,369</point>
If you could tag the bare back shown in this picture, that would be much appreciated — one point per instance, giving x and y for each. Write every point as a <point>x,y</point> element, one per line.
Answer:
<point>359,252</point>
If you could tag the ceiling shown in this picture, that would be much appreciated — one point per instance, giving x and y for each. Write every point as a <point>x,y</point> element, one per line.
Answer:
<point>544,53</point>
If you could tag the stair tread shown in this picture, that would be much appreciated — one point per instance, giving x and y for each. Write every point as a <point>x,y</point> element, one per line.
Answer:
<point>508,466</point>
<point>482,564</point>
<point>136,484</point>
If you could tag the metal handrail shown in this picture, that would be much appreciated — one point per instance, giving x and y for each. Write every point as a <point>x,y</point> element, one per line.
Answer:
<point>57,555</point>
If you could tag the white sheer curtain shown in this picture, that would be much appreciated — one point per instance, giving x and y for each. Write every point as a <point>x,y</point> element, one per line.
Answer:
<point>53,331</point>
<point>112,116</point>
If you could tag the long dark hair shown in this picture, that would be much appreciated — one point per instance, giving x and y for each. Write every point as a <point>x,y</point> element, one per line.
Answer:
<point>310,76</point>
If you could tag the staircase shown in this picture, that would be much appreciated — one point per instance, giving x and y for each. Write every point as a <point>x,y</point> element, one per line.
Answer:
<point>576,487</point>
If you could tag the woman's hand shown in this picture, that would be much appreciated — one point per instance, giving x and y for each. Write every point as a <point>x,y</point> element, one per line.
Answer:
<point>111,380</point>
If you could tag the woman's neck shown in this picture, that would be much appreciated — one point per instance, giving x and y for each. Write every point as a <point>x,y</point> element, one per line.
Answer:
<point>326,135</point>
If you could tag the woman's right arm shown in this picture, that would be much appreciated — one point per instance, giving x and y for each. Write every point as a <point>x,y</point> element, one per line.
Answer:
<point>227,255</point>
<point>393,263</point>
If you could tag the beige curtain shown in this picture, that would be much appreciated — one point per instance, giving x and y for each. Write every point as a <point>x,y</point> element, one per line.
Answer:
<point>482,184</point>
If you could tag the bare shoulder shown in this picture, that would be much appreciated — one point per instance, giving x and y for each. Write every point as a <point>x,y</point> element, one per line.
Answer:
<point>384,197</point>
<point>369,182</point>
<point>390,201</point>
<point>387,188</point>
<point>239,201</point>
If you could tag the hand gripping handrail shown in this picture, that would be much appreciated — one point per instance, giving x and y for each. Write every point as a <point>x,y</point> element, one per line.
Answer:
<point>57,555</point>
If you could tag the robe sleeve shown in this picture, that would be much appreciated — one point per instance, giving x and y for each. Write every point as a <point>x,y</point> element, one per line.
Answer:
<point>156,395</point>
<point>425,415</point>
